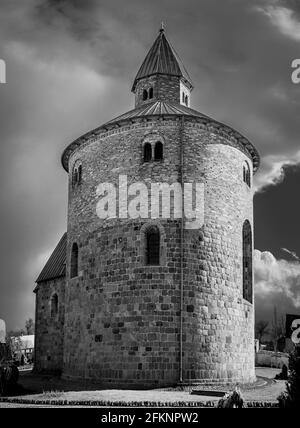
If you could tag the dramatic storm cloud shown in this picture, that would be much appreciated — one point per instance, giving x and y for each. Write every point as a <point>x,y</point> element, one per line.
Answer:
<point>70,65</point>
<point>277,285</point>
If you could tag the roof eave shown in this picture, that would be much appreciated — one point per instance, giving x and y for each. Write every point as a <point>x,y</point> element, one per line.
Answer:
<point>38,282</point>
<point>122,122</point>
<point>187,82</point>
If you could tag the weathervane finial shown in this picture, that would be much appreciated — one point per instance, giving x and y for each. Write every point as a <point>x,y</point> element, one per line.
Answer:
<point>162,27</point>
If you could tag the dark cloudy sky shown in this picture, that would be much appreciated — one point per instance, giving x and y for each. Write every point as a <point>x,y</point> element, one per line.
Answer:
<point>70,66</point>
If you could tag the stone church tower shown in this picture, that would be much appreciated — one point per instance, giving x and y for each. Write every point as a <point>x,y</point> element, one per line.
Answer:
<point>145,302</point>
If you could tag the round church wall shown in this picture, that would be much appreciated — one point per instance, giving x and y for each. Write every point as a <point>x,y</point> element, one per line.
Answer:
<point>122,317</point>
<point>219,323</point>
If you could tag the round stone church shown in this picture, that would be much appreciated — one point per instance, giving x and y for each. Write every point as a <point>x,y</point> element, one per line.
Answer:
<point>142,301</point>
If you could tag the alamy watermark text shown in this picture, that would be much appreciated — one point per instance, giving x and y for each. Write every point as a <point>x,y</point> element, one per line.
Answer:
<point>152,200</point>
<point>2,71</point>
<point>296,73</point>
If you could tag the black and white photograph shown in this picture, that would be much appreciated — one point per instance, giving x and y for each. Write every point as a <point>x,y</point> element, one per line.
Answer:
<point>150,214</point>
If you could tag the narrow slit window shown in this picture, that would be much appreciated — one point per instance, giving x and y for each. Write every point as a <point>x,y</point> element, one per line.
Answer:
<point>247,174</point>
<point>145,94</point>
<point>247,262</point>
<point>74,261</point>
<point>147,152</point>
<point>158,151</point>
<point>153,246</point>
<point>77,175</point>
<point>54,305</point>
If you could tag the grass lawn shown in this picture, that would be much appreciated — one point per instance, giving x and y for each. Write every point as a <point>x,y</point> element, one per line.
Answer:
<point>34,387</point>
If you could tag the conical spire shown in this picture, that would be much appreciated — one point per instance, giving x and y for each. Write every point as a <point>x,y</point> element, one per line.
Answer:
<point>162,59</point>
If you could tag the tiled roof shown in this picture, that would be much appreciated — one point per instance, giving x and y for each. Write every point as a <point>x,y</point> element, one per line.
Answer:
<point>56,264</point>
<point>162,59</point>
<point>158,108</point>
<point>163,109</point>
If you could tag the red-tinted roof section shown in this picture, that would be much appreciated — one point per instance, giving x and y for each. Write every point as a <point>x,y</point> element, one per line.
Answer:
<point>56,264</point>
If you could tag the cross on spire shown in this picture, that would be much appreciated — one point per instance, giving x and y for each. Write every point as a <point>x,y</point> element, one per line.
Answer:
<point>162,27</point>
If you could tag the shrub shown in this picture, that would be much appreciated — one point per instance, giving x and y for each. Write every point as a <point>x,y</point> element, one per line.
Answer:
<point>233,400</point>
<point>9,375</point>
<point>291,398</point>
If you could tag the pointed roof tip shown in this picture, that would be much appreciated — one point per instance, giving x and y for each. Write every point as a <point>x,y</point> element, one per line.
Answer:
<point>162,59</point>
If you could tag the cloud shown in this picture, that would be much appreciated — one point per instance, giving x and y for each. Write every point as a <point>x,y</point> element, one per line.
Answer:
<point>272,171</point>
<point>284,19</point>
<point>277,284</point>
<point>52,96</point>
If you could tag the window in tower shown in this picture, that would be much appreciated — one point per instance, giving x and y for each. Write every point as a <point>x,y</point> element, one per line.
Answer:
<point>247,174</point>
<point>145,94</point>
<point>153,246</point>
<point>186,100</point>
<point>158,151</point>
<point>77,174</point>
<point>150,93</point>
<point>54,305</point>
<point>183,97</point>
<point>247,262</point>
<point>147,152</point>
<point>74,261</point>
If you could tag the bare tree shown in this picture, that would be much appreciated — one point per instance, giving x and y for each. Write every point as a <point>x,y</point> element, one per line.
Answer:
<point>261,329</point>
<point>278,328</point>
<point>29,326</point>
<point>14,343</point>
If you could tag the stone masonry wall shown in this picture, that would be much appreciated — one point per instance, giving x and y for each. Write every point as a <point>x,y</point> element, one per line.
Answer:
<point>49,330</point>
<point>219,323</point>
<point>165,88</point>
<point>122,317</point>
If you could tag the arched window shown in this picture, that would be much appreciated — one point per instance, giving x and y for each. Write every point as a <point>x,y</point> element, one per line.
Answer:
<point>183,97</point>
<point>158,151</point>
<point>145,94</point>
<point>186,100</point>
<point>147,152</point>
<point>77,175</point>
<point>247,174</point>
<point>74,260</point>
<point>54,305</point>
<point>74,176</point>
<point>247,262</point>
<point>153,246</point>
<point>150,93</point>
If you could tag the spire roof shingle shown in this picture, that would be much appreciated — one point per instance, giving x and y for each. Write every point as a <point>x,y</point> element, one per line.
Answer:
<point>162,59</point>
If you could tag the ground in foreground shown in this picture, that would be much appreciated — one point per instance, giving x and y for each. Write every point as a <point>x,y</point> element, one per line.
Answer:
<point>35,388</point>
